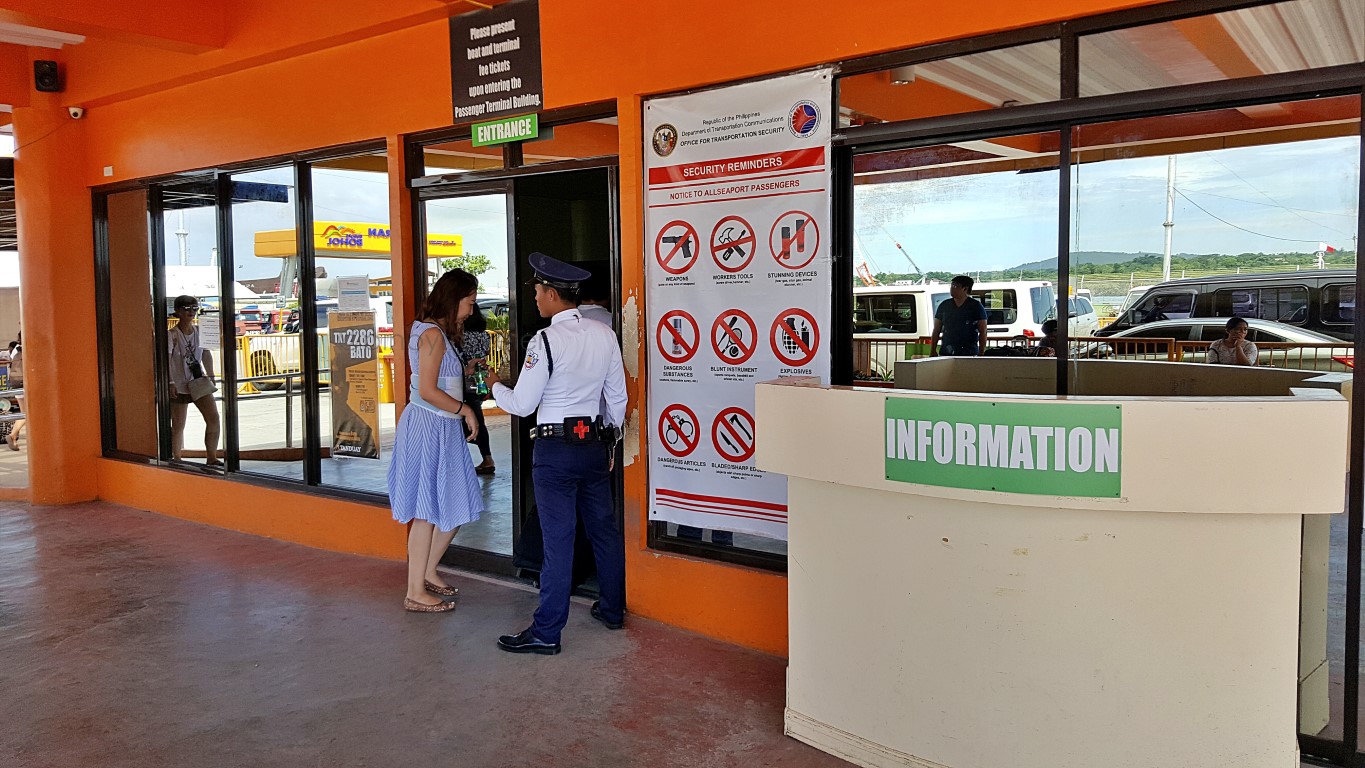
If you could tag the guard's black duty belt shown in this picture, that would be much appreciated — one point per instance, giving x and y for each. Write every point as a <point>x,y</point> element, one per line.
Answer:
<point>576,429</point>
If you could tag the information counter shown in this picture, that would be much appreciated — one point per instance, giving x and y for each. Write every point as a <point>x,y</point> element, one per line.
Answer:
<point>980,579</point>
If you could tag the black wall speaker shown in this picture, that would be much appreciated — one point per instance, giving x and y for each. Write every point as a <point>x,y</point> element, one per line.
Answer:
<point>46,77</point>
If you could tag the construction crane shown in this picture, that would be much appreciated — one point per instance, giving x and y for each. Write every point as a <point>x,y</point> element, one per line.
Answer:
<point>913,265</point>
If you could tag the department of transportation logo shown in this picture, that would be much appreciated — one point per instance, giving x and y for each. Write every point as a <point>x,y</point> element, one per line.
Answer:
<point>804,119</point>
<point>665,140</point>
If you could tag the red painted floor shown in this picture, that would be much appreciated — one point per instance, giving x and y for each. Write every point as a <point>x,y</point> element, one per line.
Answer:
<point>132,639</point>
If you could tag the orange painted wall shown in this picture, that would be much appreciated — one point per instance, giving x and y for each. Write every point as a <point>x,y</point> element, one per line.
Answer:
<point>304,75</point>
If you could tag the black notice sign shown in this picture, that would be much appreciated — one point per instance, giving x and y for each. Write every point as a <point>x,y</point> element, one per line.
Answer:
<point>495,61</point>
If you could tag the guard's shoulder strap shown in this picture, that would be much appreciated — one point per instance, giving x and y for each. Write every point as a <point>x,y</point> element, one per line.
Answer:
<point>549,356</point>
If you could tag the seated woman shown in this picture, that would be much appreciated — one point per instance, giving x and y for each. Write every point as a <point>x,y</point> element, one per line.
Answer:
<point>1234,349</point>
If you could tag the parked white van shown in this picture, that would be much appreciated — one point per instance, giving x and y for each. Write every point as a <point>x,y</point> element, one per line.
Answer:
<point>889,320</point>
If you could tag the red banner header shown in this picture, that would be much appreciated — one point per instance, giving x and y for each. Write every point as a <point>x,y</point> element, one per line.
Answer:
<point>738,166</point>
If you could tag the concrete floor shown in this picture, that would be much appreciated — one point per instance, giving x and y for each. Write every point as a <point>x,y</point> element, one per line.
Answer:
<point>132,639</point>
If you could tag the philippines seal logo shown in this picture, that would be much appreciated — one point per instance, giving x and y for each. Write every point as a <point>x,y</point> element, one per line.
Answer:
<point>665,139</point>
<point>804,118</point>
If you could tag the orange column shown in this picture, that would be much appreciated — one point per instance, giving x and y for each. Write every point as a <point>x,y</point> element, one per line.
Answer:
<point>57,290</point>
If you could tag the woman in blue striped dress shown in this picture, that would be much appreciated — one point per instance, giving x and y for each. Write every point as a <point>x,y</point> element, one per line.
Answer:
<point>431,477</point>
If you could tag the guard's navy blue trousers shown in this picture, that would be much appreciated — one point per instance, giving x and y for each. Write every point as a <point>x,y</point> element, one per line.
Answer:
<point>572,480</point>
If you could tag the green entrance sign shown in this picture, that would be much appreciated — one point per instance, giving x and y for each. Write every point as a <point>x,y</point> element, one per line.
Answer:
<point>505,130</point>
<point>1052,449</point>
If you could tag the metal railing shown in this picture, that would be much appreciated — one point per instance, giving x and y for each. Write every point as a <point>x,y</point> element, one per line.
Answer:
<point>876,359</point>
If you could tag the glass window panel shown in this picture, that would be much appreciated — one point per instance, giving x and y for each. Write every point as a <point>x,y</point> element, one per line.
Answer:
<point>269,385</point>
<point>459,157</point>
<point>191,275</point>
<point>1263,40</point>
<point>572,141</point>
<point>132,323</point>
<point>1339,304</point>
<point>352,240</point>
<point>1263,188</point>
<point>1007,77</point>
<point>986,209</point>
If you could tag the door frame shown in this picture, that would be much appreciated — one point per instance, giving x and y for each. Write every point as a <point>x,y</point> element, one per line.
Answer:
<point>503,181</point>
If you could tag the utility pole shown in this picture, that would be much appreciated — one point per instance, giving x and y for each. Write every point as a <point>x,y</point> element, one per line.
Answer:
<point>1170,217</point>
<point>183,236</point>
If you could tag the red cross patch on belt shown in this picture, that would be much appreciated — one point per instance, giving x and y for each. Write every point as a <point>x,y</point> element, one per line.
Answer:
<point>582,430</point>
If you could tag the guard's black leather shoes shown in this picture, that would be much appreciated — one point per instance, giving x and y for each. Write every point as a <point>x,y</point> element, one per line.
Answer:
<point>597,614</point>
<point>526,642</point>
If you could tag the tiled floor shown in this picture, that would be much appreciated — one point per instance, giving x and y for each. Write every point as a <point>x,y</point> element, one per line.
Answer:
<point>131,639</point>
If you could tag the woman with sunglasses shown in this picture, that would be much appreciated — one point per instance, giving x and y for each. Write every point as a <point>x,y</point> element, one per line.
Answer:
<point>191,371</point>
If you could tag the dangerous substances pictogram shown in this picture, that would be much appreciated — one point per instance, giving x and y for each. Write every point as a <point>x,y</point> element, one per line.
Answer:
<point>678,428</point>
<point>677,247</point>
<point>732,244</point>
<point>795,337</point>
<point>677,336</point>
<point>733,434</point>
<point>794,239</point>
<point>734,336</point>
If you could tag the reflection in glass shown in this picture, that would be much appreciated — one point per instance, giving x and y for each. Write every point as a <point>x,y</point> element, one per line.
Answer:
<point>356,340</point>
<point>1263,40</point>
<point>1007,77</point>
<point>986,209</point>
<point>192,315</point>
<point>572,141</point>
<point>265,262</point>
<point>479,222</point>
<point>459,157</point>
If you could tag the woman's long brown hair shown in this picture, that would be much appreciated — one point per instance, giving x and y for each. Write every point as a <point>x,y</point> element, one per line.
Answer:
<point>443,303</point>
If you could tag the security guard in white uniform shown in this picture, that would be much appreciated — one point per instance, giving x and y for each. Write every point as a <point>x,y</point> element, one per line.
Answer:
<point>571,368</point>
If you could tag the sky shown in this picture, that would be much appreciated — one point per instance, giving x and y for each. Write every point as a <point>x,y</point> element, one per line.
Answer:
<point>1285,198</point>
<point>1279,198</point>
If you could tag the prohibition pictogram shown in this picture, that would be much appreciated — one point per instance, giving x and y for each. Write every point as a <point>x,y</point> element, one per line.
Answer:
<point>794,239</point>
<point>732,244</point>
<point>677,247</point>
<point>678,428</point>
<point>733,434</point>
<point>734,337</point>
<point>795,336</point>
<point>678,336</point>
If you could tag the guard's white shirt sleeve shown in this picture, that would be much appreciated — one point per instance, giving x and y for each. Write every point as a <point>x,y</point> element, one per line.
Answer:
<point>614,390</point>
<point>535,372</point>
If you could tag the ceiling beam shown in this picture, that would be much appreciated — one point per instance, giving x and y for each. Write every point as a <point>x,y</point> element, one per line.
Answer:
<point>193,27</point>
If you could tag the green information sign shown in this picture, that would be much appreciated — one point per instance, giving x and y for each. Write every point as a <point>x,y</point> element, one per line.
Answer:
<point>1053,449</point>
<point>505,130</point>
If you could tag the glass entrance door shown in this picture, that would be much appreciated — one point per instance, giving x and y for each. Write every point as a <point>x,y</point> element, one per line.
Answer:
<point>469,230</point>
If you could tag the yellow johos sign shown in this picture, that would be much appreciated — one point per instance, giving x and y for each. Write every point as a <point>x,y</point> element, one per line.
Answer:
<point>346,238</point>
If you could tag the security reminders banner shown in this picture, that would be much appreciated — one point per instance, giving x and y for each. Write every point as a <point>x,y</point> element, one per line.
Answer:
<point>737,194</point>
<point>355,384</point>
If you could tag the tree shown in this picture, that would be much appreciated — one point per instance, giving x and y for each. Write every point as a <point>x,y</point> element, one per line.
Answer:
<point>474,263</point>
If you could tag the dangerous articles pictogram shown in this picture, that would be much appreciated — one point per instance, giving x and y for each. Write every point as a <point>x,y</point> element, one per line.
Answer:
<point>677,247</point>
<point>678,428</point>
<point>733,434</point>
<point>795,337</point>
<point>677,336</point>
<point>732,244</point>
<point>794,239</point>
<point>734,336</point>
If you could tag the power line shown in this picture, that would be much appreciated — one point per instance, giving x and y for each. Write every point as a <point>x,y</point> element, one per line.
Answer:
<point>1271,199</point>
<point>1235,226</point>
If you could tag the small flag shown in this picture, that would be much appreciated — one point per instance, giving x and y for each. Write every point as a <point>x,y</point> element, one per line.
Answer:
<point>1325,248</point>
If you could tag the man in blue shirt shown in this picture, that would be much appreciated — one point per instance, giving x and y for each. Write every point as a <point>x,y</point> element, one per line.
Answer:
<point>961,321</point>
